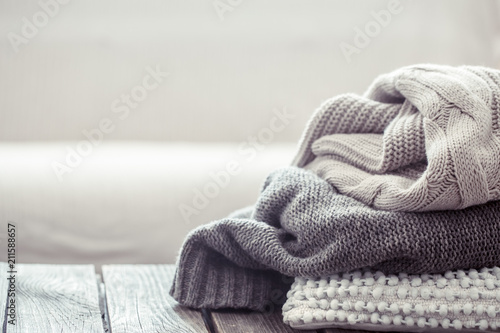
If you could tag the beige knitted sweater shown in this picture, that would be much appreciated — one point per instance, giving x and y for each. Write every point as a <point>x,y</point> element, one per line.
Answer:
<point>422,138</point>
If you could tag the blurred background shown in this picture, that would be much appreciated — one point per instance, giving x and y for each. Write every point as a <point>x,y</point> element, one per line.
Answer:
<point>125,124</point>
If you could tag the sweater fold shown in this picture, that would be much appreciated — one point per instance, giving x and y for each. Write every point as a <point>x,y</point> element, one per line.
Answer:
<point>302,226</point>
<point>372,147</point>
<point>405,178</point>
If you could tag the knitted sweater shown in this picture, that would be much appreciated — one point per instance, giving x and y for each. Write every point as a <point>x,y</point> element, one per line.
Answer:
<point>422,138</point>
<point>302,226</point>
<point>459,300</point>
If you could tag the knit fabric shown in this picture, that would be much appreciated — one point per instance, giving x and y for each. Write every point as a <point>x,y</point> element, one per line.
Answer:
<point>302,226</point>
<point>422,138</point>
<point>459,300</point>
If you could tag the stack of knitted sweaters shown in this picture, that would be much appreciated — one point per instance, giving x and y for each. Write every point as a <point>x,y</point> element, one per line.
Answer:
<point>389,218</point>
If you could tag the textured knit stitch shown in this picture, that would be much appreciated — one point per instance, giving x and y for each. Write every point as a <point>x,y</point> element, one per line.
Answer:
<point>468,300</point>
<point>301,226</point>
<point>422,138</point>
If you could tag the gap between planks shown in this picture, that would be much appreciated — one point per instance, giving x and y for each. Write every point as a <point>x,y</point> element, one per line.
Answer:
<point>101,289</point>
<point>134,298</point>
<point>138,300</point>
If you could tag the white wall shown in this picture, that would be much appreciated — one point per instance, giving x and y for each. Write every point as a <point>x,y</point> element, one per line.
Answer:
<point>226,76</point>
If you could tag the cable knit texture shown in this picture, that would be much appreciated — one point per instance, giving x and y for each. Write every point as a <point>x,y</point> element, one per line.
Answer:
<point>302,226</point>
<point>422,138</point>
<point>458,300</point>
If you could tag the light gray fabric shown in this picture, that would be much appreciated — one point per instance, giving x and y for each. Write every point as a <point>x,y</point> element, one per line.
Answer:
<point>301,226</point>
<point>459,300</point>
<point>422,138</point>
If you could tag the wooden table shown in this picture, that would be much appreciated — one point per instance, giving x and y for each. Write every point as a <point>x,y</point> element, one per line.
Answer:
<point>129,298</point>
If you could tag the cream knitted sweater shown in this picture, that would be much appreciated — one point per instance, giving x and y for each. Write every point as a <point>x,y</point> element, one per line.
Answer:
<point>422,138</point>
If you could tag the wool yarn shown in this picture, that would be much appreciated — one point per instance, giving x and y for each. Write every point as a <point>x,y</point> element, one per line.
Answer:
<point>455,300</point>
<point>301,226</point>
<point>422,138</point>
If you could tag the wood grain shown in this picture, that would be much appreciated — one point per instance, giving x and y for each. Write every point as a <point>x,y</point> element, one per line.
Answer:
<point>251,322</point>
<point>56,298</point>
<point>4,286</point>
<point>138,301</point>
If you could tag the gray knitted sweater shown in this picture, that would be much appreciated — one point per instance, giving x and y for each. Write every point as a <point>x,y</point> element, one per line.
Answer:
<point>422,138</point>
<point>301,226</point>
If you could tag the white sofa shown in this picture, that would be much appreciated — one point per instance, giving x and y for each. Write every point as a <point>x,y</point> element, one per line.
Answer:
<point>125,202</point>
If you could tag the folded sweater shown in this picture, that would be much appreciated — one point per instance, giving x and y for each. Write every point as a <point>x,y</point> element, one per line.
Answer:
<point>422,138</point>
<point>301,226</point>
<point>456,300</point>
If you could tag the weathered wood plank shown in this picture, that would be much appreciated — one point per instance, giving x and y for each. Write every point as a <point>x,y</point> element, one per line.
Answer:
<point>138,301</point>
<point>56,298</point>
<point>251,322</point>
<point>4,286</point>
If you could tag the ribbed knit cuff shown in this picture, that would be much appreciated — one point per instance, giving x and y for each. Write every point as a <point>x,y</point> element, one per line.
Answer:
<point>208,280</point>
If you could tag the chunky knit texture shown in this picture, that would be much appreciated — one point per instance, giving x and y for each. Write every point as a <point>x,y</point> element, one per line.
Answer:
<point>302,226</point>
<point>459,300</point>
<point>422,138</point>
